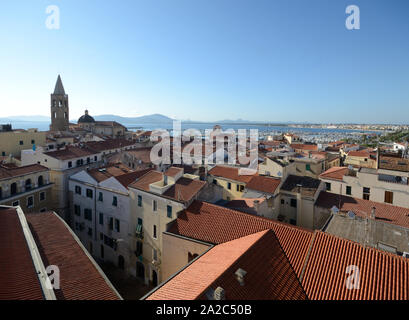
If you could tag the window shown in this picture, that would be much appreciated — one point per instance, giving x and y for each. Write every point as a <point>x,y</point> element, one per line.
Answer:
<point>3,154</point>
<point>308,167</point>
<point>282,201</point>
<point>42,196</point>
<point>21,142</point>
<point>69,164</point>
<point>169,211</point>
<point>90,232</point>
<point>111,223</point>
<point>77,210</point>
<point>117,225</point>
<point>101,236</point>
<point>328,186</point>
<point>101,219</point>
<point>293,203</point>
<point>89,193</point>
<point>88,160</point>
<point>155,255</point>
<point>40,181</point>
<point>115,201</point>
<point>28,184</point>
<point>102,251</point>
<point>349,190</point>
<point>88,214</point>
<point>77,189</point>
<point>101,197</point>
<point>33,141</point>
<point>30,202</point>
<point>366,193</point>
<point>96,158</point>
<point>139,201</point>
<point>229,185</point>
<point>215,182</point>
<point>139,227</point>
<point>139,248</point>
<point>154,205</point>
<point>388,197</point>
<point>13,188</point>
<point>155,236</point>
<point>16,203</point>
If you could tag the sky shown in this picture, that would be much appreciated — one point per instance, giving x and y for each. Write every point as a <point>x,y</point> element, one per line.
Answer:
<point>209,60</point>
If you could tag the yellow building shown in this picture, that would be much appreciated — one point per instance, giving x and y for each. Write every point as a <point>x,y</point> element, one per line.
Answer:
<point>361,159</point>
<point>230,180</point>
<point>28,187</point>
<point>12,142</point>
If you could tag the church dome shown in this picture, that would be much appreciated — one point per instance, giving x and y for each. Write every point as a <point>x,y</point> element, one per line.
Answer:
<point>86,118</point>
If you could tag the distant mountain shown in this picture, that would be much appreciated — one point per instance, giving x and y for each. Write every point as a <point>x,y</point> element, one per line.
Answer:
<point>153,118</point>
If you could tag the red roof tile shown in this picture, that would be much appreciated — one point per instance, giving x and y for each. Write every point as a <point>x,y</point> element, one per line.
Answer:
<point>230,173</point>
<point>305,147</point>
<point>385,212</point>
<point>263,184</point>
<point>383,276</point>
<point>214,224</point>
<point>79,277</point>
<point>8,171</point>
<point>18,277</point>
<point>269,274</point>
<point>334,173</point>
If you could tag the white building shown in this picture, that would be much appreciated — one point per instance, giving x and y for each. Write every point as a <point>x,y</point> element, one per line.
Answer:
<point>101,213</point>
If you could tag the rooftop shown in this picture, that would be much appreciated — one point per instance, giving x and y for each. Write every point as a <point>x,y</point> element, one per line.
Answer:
<point>230,173</point>
<point>335,173</point>
<point>12,171</point>
<point>263,184</point>
<point>306,185</point>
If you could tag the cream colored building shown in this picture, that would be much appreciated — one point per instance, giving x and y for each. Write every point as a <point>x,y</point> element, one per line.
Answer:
<point>28,187</point>
<point>13,142</point>
<point>156,200</point>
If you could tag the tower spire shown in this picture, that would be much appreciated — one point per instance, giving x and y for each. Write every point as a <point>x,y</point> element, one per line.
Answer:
<point>59,88</point>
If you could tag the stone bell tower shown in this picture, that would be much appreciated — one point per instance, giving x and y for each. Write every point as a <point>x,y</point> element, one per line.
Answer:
<point>59,108</point>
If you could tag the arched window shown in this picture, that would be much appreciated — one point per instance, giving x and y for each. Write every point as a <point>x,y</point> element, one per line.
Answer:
<point>28,184</point>
<point>40,181</point>
<point>13,188</point>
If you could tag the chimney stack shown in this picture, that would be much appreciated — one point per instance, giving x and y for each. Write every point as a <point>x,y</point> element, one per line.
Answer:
<point>219,294</point>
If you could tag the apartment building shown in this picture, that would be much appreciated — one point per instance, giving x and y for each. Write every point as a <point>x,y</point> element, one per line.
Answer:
<point>379,185</point>
<point>230,179</point>
<point>12,142</point>
<point>28,187</point>
<point>265,259</point>
<point>156,200</point>
<point>101,213</point>
<point>297,197</point>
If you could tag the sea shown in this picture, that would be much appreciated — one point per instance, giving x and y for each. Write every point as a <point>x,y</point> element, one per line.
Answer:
<point>308,134</point>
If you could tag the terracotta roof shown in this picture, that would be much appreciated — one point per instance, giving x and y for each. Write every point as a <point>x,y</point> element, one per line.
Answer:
<point>244,203</point>
<point>384,212</point>
<point>230,173</point>
<point>108,124</point>
<point>215,224</point>
<point>18,277</point>
<point>383,276</point>
<point>334,173</point>
<point>308,147</point>
<point>8,171</point>
<point>111,170</point>
<point>183,190</point>
<point>393,163</point>
<point>79,277</point>
<point>263,184</point>
<point>70,152</point>
<point>110,144</point>
<point>362,154</point>
<point>308,185</point>
<point>173,171</point>
<point>269,274</point>
<point>128,178</point>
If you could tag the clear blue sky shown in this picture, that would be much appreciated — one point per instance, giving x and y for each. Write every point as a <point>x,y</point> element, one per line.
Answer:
<point>282,60</point>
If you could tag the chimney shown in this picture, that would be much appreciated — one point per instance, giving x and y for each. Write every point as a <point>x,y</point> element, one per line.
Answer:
<point>165,179</point>
<point>219,294</point>
<point>373,213</point>
<point>240,274</point>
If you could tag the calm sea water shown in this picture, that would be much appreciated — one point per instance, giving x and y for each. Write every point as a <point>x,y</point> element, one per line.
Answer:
<point>44,126</point>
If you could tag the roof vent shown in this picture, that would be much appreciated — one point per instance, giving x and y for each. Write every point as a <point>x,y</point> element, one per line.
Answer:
<point>219,294</point>
<point>240,274</point>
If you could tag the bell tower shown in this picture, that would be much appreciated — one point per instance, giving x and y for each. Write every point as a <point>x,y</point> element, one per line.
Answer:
<point>59,108</point>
